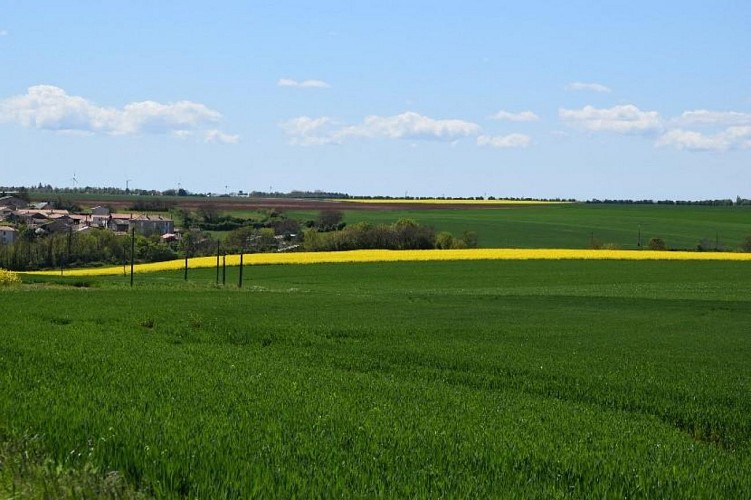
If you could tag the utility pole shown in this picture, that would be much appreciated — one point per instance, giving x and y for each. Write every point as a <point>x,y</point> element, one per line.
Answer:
<point>217,262</point>
<point>132,252</point>
<point>240,282</point>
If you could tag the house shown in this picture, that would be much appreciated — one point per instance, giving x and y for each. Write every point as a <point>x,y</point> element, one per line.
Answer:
<point>58,224</point>
<point>152,224</point>
<point>80,220</point>
<point>119,223</point>
<point>100,216</point>
<point>35,218</point>
<point>8,235</point>
<point>5,212</point>
<point>143,224</point>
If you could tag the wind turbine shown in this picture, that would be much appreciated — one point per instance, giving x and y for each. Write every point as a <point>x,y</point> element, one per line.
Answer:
<point>75,181</point>
<point>127,185</point>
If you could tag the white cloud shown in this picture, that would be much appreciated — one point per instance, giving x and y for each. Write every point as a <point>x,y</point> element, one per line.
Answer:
<point>587,87</point>
<point>308,131</point>
<point>705,117</point>
<point>50,108</point>
<point>523,116</point>
<point>730,138</point>
<point>693,141</point>
<point>624,119</point>
<point>217,136</point>
<point>504,141</point>
<point>313,84</point>
<point>628,119</point>
<point>183,134</point>
<point>740,136</point>
<point>411,125</point>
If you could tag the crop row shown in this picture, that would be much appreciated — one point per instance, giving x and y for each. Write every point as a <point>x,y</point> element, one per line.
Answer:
<point>363,256</point>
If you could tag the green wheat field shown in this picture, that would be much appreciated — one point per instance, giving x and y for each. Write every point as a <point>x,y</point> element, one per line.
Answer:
<point>436,379</point>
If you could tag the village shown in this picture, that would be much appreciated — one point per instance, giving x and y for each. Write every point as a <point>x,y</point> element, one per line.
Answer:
<point>43,219</point>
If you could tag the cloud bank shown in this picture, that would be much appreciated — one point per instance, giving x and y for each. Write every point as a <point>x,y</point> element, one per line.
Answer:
<point>728,130</point>
<point>690,140</point>
<point>306,131</point>
<point>47,107</point>
<point>310,84</point>
<point>587,87</point>
<point>523,116</point>
<point>504,141</point>
<point>623,119</point>
<point>706,117</point>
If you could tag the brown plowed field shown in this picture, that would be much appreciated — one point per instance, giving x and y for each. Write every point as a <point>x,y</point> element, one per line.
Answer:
<point>287,204</point>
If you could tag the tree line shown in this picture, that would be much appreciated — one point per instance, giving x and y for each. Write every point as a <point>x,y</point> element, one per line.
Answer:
<point>725,202</point>
<point>404,234</point>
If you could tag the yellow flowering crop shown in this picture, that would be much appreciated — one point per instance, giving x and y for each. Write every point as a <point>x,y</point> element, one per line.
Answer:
<point>411,255</point>
<point>8,278</point>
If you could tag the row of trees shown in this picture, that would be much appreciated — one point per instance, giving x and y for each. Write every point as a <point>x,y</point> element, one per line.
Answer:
<point>404,234</point>
<point>30,251</point>
<point>725,202</point>
<point>95,248</point>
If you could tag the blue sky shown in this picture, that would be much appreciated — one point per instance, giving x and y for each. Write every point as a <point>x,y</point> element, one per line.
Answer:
<point>630,99</point>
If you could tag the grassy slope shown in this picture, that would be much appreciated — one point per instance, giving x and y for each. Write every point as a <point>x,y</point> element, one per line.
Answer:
<point>436,379</point>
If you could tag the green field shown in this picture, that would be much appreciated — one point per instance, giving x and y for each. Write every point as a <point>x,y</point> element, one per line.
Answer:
<point>446,379</point>
<point>575,225</point>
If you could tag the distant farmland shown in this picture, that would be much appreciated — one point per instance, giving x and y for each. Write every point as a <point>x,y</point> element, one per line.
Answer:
<point>505,225</point>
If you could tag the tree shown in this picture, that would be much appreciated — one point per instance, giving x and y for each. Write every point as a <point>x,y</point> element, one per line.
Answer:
<point>470,239</point>
<point>209,213</point>
<point>410,235</point>
<point>657,244</point>
<point>330,220</point>
<point>23,194</point>
<point>444,240</point>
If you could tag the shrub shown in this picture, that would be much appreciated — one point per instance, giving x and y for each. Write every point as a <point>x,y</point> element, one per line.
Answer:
<point>657,244</point>
<point>9,278</point>
<point>746,244</point>
<point>595,244</point>
<point>444,240</point>
<point>470,239</point>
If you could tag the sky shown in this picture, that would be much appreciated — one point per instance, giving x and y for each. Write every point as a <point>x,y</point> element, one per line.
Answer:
<point>577,99</point>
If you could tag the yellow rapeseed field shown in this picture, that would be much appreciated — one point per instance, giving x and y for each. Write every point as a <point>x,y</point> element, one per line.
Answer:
<point>411,255</point>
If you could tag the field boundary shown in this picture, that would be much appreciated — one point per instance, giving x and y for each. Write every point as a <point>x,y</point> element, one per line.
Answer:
<point>363,256</point>
<point>444,201</point>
